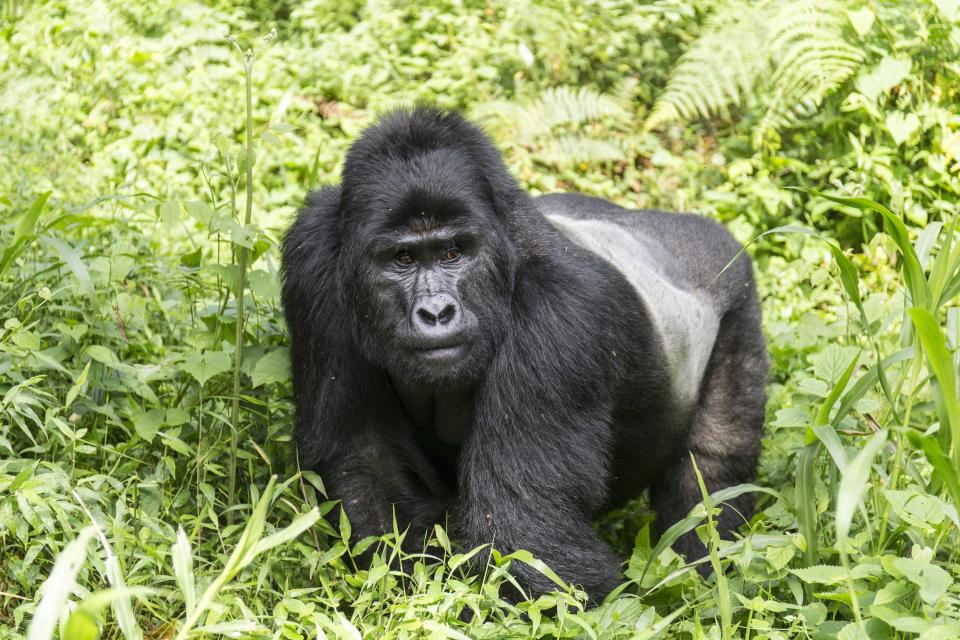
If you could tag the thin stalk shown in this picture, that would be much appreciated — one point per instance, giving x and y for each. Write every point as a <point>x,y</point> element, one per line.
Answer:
<point>241,285</point>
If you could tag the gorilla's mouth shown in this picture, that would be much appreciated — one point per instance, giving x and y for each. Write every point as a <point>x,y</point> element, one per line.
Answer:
<point>443,352</point>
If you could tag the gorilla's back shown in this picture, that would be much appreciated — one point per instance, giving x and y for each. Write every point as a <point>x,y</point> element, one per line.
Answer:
<point>671,262</point>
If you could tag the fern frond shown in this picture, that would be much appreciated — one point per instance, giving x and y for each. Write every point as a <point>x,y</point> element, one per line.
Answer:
<point>570,150</point>
<point>814,61</point>
<point>719,69</point>
<point>557,126</point>
<point>563,105</point>
<point>785,55</point>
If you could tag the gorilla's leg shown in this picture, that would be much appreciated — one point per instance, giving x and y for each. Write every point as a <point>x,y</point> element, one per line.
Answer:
<point>725,432</point>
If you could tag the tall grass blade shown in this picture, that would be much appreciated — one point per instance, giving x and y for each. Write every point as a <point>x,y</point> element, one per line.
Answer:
<point>57,587</point>
<point>183,570</point>
<point>692,521</point>
<point>806,501</point>
<point>943,469</point>
<point>24,231</point>
<point>912,271</point>
<point>940,361</point>
<point>853,482</point>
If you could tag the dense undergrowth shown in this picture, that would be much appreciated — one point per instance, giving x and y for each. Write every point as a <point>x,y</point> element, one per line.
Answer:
<point>129,484</point>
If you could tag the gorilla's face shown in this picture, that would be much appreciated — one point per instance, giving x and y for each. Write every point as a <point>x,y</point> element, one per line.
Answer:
<point>430,289</point>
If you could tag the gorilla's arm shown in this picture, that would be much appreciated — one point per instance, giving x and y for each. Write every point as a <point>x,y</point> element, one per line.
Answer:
<point>534,469</point>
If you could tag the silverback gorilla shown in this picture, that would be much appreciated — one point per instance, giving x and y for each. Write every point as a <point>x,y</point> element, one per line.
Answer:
<point>512,366</point>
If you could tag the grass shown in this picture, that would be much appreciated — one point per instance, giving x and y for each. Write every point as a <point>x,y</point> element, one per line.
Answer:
<point>148,482</point>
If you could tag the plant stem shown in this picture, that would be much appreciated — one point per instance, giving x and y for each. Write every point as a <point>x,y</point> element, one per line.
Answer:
<point>241,285</point>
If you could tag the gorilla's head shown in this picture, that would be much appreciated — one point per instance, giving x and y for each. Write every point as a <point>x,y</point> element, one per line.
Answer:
<point>427,257</point>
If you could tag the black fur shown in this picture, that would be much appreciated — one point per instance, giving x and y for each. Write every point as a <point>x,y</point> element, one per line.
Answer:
<point>558,407</point>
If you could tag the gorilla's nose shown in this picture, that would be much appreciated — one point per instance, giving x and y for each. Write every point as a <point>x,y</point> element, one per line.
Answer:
<point>435,314</point>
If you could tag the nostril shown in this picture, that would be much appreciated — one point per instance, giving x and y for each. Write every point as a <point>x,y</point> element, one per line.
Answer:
<point>426,316</point>
<point>447,314</point>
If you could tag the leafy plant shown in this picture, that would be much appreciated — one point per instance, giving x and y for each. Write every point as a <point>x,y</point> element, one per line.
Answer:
<point>784,55</point>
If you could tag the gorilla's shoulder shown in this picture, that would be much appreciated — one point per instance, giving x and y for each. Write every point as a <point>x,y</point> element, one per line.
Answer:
<point>321,202</point>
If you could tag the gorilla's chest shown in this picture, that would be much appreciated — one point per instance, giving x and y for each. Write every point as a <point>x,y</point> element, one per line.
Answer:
<point>683,318</point>
<point>441,420</point>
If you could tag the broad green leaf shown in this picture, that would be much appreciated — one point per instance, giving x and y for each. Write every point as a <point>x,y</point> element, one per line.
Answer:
<point>918,509</point>
<point>442,538</point>
<point>933,581</point>
<point>75,263</point>
<point>203,365</point>
<point>779,556</point>
<point>148,423</point>
<point>81,625</point>
<point>949,631</point>
<point>273,367</point>
<point>344,526</point>
<point>901,126</point>
<point>821,574</point>
<point>885,76</point>
<point>861,20</point>
<point>832,361</point>
<point>192,259</point>
<point>460,558</point>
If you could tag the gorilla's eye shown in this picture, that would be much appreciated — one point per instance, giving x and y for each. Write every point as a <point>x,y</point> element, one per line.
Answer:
<point>451,254</point>
<point>404,258</point>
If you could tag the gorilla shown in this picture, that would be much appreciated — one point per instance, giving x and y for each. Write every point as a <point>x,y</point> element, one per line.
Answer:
<point>463,353</point>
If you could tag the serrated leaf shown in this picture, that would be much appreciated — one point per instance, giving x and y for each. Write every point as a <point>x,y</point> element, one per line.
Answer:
<point>831,362</point>
<point>791,417</point>
<point>273,367</point>
<point>779,556</point>
<point>918,509</point>
<point>820,574</point>
<point>174,417</point>
<point>148,423</point>
<point>932,580</point>
<point>206,364</point>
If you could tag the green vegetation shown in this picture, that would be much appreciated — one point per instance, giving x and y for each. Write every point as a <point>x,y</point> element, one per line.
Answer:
<point>147,472</point>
